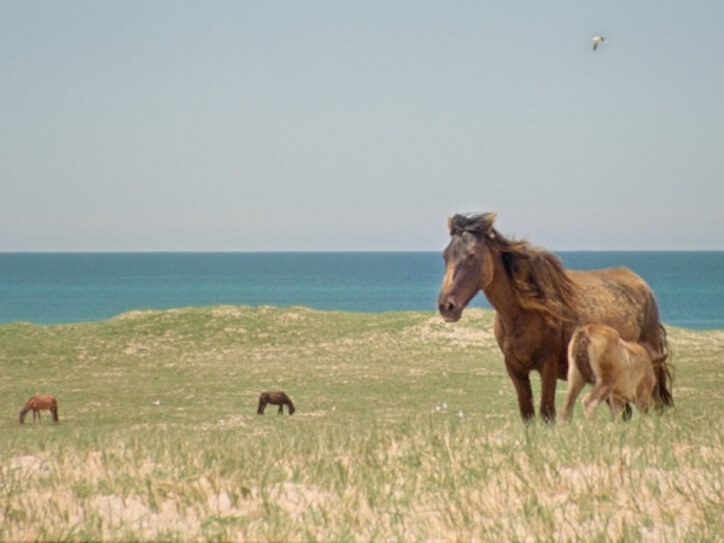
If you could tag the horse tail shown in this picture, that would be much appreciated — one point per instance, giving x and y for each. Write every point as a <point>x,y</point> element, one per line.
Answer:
<point>262,403</point>
<point>578,354</point>
<point>663,391</point>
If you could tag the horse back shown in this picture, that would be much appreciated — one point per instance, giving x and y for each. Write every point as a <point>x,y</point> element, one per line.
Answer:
<point>42,401</point>
<point>621,299</point>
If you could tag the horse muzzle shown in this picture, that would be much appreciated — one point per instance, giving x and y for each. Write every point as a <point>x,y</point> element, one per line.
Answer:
<point>450,310</point>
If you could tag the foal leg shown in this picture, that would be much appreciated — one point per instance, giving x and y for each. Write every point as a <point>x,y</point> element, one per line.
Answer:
<point>594,398</point>
<point>644,395</point>
<point>620,409</point>
<point>627,411</point>
<point>642,404</point>
<point>575,385</point>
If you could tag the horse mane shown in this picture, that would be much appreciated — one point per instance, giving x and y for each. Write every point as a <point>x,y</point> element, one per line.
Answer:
<point>538,278</point>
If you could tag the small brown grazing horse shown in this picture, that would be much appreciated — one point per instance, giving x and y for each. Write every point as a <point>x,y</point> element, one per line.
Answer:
<point>538,304</point>
<point>36,403</point>
<point>623,371</point>
<point>275,398</point>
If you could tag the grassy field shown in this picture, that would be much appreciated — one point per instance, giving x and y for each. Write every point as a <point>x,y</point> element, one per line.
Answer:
<point>406,429</point>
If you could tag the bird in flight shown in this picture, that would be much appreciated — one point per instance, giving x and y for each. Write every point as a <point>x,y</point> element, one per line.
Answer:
<point>598,40</point>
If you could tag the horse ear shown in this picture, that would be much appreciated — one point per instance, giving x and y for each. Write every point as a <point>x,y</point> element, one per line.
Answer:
<point>486,224</point>
<point>487,220</point>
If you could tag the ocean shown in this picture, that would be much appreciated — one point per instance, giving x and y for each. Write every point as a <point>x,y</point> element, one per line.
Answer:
<point>51,288</point>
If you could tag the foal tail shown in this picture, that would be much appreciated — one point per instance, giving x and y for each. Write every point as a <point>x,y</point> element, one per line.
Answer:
<point>663,391</point>
<point>578,354</point>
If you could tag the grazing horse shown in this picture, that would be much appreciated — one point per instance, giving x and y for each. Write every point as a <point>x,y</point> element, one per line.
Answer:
<point>538,304</point>
<point>623,371</point>
<point>275,398</point>
<point>36,403</point>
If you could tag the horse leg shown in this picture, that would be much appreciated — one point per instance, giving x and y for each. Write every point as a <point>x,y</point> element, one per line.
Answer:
<point>642,404</point>
<point>594,398</point>
<point>575,385</point>
<point>643,397</point>
<point>281,409</point>
<point>617,407</point>
<point>627,411</point>
<point>549,378</point>
<point>521,382</point>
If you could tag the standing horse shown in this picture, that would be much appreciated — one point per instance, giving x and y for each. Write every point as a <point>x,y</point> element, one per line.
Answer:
<point>623,371</point>
<point>538,304</point>
<point>36,403</point>
<point>275,398</point>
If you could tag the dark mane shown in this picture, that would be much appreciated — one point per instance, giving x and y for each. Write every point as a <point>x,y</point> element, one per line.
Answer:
<point>538,277</point>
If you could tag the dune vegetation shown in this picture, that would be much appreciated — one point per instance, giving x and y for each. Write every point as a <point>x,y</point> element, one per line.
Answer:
<point>406,428</point>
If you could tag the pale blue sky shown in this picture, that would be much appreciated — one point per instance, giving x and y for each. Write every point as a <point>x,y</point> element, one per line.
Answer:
<point>265,125</point>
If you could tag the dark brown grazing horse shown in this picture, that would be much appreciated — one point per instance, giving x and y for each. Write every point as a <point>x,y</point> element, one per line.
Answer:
<point>538,304</point>
<point>275,398</point>
<point>36,403</point>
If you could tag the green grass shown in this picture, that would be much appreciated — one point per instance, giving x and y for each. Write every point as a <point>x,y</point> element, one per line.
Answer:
<point>367,456</point>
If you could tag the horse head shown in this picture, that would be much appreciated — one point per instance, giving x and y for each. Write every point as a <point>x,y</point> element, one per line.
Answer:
<point>468,263</point>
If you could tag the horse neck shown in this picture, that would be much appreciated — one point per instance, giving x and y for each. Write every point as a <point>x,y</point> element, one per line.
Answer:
<point>499,291</point>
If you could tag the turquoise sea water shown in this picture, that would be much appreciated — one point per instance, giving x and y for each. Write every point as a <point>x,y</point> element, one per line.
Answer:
<point>59,288</point>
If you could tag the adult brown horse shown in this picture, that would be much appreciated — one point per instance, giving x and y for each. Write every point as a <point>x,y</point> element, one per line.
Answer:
<point>275,398</point>
<point>538,304</point>
<point>37,403</point>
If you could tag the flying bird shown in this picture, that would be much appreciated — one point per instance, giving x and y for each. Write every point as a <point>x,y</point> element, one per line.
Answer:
<point>597,40</point>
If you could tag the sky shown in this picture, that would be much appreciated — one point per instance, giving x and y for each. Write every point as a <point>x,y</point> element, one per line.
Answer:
<point>359,126</point>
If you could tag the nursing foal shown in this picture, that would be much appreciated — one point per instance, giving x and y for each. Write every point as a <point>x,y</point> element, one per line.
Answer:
<point>621,371</point>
